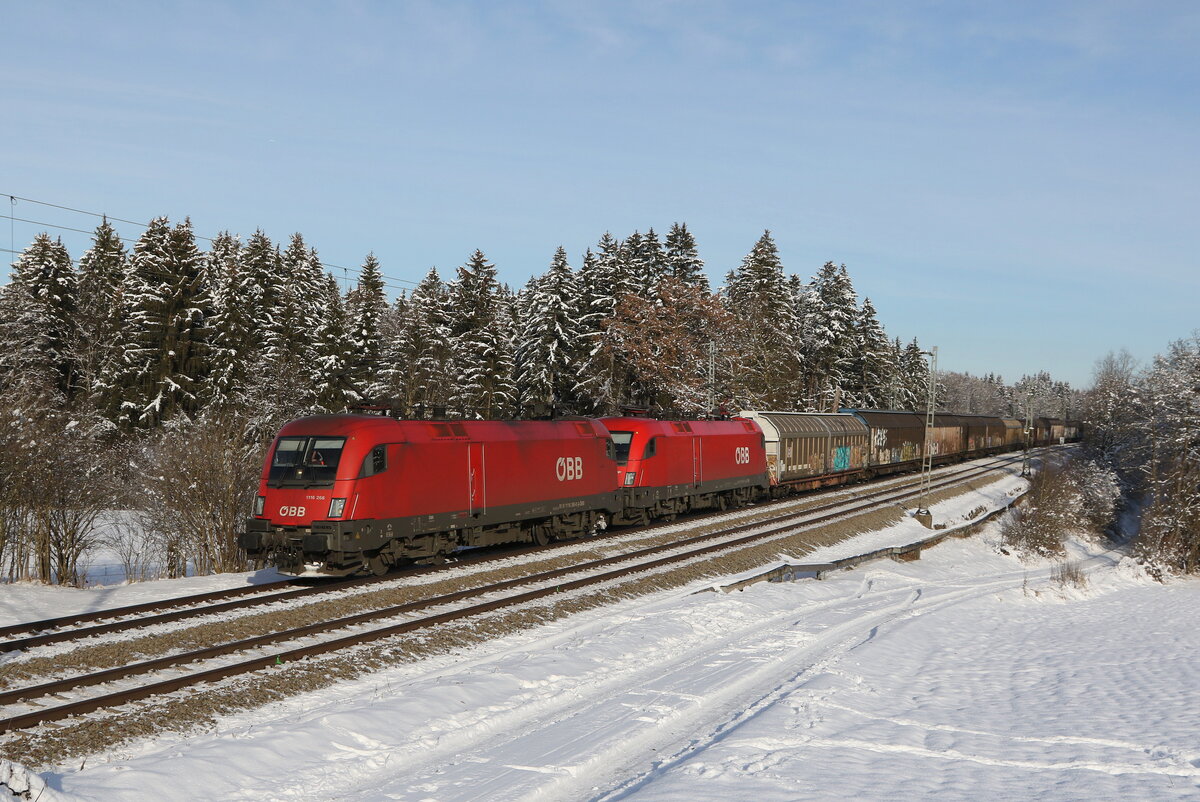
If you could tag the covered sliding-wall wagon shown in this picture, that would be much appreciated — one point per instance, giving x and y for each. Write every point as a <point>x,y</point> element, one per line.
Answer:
<point>1014,432</point>
<point>802,445</point>
<point>895,437</point>
<point>1050,431</point>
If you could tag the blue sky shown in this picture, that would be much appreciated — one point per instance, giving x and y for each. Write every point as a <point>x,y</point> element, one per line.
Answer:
<point>1016,183</point>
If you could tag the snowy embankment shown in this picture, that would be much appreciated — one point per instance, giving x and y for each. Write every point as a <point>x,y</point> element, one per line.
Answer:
<point>965,675</point>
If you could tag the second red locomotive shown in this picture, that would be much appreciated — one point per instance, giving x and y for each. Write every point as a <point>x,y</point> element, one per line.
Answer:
<point>665,468</point>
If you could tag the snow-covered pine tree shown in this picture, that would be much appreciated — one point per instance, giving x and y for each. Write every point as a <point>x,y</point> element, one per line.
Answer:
<point>914,378</point>
<point>830,313</point>
<point>800,293</point>
<point>333,383</point>
<point>482,341</point>
<point>871,366</point>
<point>426,346</point>
<point>683,259</point>
<point>647,262</point>
<point>289,346</point>
<point>610,278</point>
<point>596,304</point>
<point>760,301</point>
<point>367,307</point>
<point>394,365</point>
<point>98,314</point>
<point>635,274</point>
<point>165,360</point>
<point>232,345</point>
<point>259,288</point>
<point>547,350</point>
<point>38,328</point>
<point>288,341</point>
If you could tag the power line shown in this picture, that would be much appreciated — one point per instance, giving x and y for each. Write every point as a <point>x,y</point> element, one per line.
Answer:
<point>394,284</point>
<point>50,225</point>
<point>77,211</point>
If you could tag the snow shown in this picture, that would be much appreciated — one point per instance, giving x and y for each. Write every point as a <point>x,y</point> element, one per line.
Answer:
<point>966,674</point>
<point>31,601</point>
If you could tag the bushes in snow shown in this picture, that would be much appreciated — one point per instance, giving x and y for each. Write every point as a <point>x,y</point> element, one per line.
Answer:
<point>1064,497</point>
<point>198,480</point>
<point>1147,425</point>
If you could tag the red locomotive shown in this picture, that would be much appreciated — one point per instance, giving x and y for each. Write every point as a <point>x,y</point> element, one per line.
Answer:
<point>669,467</point>
<point>343,493</point>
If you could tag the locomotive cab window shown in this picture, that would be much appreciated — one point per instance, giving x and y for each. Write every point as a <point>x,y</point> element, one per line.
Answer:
<point>621,441</point>
<point>305,461</point>
<point>610,450</point>
<point>375,462</point>
<point>651,448</point>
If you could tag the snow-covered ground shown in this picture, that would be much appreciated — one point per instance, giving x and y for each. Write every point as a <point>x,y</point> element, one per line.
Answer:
<point>29,601</point>
<point>967,674</point>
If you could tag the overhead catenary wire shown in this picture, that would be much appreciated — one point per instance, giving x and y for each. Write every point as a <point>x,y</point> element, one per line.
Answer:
<point>394,284</point>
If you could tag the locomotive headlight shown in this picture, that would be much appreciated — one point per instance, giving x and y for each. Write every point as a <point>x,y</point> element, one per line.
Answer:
<point>337,507</point>
<point>259,503</point>
<point>630,478</point>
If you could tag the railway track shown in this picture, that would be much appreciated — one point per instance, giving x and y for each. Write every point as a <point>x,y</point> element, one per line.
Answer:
<point>26,706</point>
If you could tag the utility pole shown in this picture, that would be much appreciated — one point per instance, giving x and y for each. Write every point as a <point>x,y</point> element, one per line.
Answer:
<point>923,514</point>
<point>712,378</point>
<point>1026,470</point>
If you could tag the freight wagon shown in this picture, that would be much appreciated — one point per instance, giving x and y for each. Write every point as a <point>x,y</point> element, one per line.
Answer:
<point>808,450</point>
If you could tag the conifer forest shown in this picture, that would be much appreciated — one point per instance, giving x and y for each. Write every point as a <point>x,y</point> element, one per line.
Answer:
<point>148,378</point>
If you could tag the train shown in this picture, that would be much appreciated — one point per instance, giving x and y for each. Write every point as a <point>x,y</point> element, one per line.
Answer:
<point>361,493</point>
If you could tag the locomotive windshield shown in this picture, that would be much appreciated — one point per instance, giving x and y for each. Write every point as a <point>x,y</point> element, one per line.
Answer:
<point>622,440</point>
<point>305,461</point>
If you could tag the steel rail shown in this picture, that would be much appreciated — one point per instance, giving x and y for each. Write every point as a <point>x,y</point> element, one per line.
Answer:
<point>134,609</point>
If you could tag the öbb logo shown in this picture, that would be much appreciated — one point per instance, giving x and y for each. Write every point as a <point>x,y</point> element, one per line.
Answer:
<point>291,512</point>
<point>741,456</point>
<point>568,469</point>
